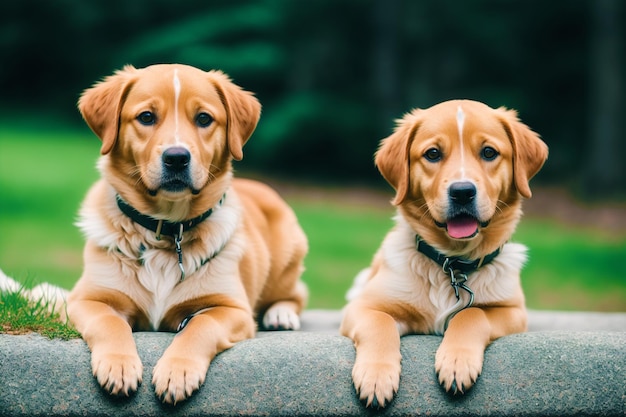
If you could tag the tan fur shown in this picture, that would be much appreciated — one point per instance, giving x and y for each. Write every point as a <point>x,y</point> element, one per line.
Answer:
<point>244,260</point>
<point>406,292</point>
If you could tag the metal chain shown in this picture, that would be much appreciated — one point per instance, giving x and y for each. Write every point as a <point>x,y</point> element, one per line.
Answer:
<point>457,280</point>
<point>177,240</point>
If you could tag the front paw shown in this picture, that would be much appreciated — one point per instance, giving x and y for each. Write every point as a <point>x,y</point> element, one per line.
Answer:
<point>176,379</point>
<point>458,368</point>
<point>376,383</point>
<point>280,317</point>
<point>118,374</point>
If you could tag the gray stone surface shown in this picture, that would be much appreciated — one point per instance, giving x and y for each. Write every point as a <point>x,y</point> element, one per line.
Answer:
<point>577,321</point>
<point>328,321</point>
<point>546,373</point>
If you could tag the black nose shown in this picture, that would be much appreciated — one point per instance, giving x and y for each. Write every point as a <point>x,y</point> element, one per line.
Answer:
<point>176,158</point>
<point>462,192</point>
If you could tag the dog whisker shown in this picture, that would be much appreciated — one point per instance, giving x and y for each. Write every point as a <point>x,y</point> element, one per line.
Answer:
<point>212,169</point>
<point>500,205</point>
<point>426,214</point>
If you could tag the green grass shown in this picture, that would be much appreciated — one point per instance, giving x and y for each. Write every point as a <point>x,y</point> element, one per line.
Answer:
<point>568,268</point>
<point>18,316</point>
<point>572,269</point>
<point>44,176</point>
<point>342,241</point>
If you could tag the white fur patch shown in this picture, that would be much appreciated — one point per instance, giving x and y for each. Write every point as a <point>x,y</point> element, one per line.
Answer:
<point>358,284</point>
<point>280,317</point>
<point>177,88</point>
<point>45,294</point>
<point>460,122</point>
<point>409,275</point>
<point>53,297</point>
<point>8,284</point>
<point>146,269</point>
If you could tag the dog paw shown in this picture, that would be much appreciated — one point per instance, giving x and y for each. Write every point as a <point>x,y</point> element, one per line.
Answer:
<point>458,369</point>
<point>280,317</point>
<point>176,379</point>
<point>118,374</point>
<point>376,384</point>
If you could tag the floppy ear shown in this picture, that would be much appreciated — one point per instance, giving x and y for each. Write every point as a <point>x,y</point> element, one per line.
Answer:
<point>529,151</point>
<point>392,157</point>
<point>243,111</point>
<point>101,105</point>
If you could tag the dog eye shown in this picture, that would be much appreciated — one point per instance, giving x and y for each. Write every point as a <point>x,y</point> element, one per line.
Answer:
<point>204,119</point>
<point>146,118</point>
<point>488,153</point>
<point>433,155</point>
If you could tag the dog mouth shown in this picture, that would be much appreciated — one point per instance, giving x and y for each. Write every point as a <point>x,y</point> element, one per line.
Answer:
<point>174,185</point>
<point>462,226</point>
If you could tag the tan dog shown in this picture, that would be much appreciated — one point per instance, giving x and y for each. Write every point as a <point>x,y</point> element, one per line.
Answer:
<point>460,170</point>
<point>173,242</point>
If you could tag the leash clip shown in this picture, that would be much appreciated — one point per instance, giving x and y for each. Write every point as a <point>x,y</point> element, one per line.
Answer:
<point>177,240</point>
<point>457,280</point>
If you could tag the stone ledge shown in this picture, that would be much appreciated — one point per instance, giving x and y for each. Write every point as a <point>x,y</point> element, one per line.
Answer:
<point>547,373</point>
<point>327,321</point>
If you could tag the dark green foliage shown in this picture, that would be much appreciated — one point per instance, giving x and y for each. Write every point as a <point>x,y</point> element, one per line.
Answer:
<point>333,74</point>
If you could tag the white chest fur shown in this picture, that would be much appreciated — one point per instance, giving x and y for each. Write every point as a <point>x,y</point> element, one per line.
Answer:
<point>147,270</point>
<point>414,279</point>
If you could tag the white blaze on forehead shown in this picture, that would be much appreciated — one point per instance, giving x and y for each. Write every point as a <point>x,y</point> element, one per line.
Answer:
<point>176,98</point>
<point>460,122</point>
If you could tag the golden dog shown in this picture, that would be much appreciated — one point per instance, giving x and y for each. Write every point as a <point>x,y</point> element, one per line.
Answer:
<point>460,170</point>
<point>173,242</point>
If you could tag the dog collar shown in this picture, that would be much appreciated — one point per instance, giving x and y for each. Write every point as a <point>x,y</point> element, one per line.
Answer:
<point>164,227</point>
<point>457,268</point>
<point>453,263</point>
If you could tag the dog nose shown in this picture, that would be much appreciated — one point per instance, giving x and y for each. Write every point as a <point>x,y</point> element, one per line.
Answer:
<point>462,192</point>
<point>176,158</point>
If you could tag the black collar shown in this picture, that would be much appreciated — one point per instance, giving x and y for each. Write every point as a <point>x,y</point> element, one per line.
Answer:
<point>454,263</point>
<point>163,227</point>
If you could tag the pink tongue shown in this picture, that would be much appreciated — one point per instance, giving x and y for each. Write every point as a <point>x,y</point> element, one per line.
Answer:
<point>462,227</point>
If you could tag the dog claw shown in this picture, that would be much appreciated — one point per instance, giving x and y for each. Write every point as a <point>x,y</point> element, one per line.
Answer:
<point>167,398</point>
<point>376,389</point>
<point>454,389</point>
<point>374,403</point>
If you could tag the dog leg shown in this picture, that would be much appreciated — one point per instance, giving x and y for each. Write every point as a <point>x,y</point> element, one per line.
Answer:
<point>183,367</point>
<point>459,359</point>
<point>114,359</point>
<point>376,371</point>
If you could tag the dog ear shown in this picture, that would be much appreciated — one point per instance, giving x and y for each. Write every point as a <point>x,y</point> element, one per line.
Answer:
<point>529,151</point>
<point>243,111</point>
<point>392,157</point>
<point>101,105</point>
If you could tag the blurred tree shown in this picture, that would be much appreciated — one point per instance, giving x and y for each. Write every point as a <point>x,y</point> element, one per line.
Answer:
<point>332,75</point>
<point>605,172</point>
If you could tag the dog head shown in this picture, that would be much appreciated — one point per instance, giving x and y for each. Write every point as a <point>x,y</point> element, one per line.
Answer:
<point>169,131</point>
<point>460,169</point>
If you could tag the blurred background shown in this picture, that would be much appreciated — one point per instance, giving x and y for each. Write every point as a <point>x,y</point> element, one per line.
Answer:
<point>332,76</point>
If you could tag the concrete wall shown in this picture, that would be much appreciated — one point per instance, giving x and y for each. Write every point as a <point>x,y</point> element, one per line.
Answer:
<point>552,371</point>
